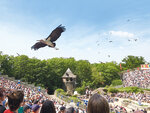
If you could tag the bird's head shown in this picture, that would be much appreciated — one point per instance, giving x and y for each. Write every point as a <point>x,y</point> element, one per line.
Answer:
<point>54,44</point>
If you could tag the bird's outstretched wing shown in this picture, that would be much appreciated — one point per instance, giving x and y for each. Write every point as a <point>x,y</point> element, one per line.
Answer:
<point>38,45</point>
<point>56,33</point>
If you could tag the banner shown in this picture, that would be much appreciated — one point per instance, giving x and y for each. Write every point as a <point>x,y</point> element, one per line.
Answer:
<point>145,66</point>
<point>120,67</point>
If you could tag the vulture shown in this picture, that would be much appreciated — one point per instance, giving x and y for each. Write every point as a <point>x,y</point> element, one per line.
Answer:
<point>49,41</point>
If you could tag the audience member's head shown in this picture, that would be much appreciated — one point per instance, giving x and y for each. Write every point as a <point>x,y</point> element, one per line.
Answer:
<point>98,104</point>
<point>35,108</point>
<point>35,101</point>
<point>15,99</point>
<point>48,107</point>
<point>2,94</point>
<point>70,110</point>
<point>62,109</point>
<point>138,111</point>
<point>26,109</point>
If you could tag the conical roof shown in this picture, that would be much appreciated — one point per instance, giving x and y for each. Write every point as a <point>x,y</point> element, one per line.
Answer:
<point>68,74</point>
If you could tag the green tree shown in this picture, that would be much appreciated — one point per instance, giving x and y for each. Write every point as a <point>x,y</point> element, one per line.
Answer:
<point>131,62</point>
<point>83,71</point>
<point>105,73</point>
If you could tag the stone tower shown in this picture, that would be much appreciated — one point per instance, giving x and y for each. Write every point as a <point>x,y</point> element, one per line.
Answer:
<point>69,80</point>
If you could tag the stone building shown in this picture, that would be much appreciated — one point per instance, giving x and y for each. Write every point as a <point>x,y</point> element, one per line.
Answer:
<point>69,80</point>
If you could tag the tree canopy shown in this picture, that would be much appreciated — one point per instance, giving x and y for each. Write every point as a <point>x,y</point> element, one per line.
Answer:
<point>48,73</point>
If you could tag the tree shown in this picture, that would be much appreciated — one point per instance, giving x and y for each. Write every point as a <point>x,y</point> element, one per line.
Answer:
<point>83,71</point>
<point>105,73</point>
<point>131,62</point>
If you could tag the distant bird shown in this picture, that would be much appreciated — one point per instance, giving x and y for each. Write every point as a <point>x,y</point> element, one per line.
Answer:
<point>97,41</point>
<point>129,40</point>
<point>110,41</point>
<point>128,20</point>
<point>108,55</point>
<point>135,39</point>
<point>18,54</point>
<point>49,41</point>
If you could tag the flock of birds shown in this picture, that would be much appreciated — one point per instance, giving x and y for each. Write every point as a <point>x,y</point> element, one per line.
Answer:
<point>109,40</point>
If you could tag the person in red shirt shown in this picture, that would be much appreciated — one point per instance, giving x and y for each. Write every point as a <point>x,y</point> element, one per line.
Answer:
<point>2,98</point>
<point>14,101</point>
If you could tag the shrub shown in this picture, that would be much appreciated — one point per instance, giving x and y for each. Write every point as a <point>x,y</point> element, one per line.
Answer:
<point>59,90</point>
<point>130,89</point>
<point>75,99</point>
<point>105,90</point>
<point>80,90</point>
<point>112,90</point>
<point>116,82</point>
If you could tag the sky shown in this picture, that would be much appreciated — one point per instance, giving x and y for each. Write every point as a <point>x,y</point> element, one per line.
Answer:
<point>96,30</point>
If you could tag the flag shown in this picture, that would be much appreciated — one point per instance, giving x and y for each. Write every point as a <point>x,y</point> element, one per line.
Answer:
<point>120,67</point>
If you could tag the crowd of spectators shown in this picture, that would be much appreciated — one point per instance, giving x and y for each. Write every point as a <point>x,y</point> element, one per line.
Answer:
<point>17,98</point>
<point>138,78</point>
<point>143,97</point>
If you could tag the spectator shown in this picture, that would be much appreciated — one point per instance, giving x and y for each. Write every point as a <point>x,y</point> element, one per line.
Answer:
<point>98,104</point>
<point>145,111</point>
<point>138,111</point>
<point>26,109</point>
<point>35,108</point>
<point>14,101</point>
<point>70,110</point>
<point>2,98</point>
<point>62,109</point>
<point>48,107</point>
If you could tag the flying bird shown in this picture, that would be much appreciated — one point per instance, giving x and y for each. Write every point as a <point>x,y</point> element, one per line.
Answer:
<point>135,39</point>
<point>49,41</point>
<point>128,20</point>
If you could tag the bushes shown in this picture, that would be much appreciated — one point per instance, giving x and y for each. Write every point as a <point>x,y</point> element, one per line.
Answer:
<point>130,89</point>
<point>60,91</point>
<point>112,90</point>
<point>105,90</point>
<point>80,90</point>
<point>126,89</point>
<point>75,99</point>
<point>116,82</point>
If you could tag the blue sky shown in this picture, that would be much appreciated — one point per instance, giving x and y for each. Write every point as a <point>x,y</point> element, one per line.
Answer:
<point>90,25</point>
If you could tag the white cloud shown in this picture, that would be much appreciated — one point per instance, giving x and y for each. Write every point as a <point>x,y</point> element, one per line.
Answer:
<point>121,34</point>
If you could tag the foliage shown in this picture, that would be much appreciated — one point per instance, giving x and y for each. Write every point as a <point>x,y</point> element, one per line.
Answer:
<point>48,73</point>
<point>116,82</point>
<point>105,90</point>
<point>130,89</point>
<point>112,90</point>
<point>81,90</point>
<point>131,62</point>
<point>59,90</point>
<point>75,99</point>
<point>104,73</point>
